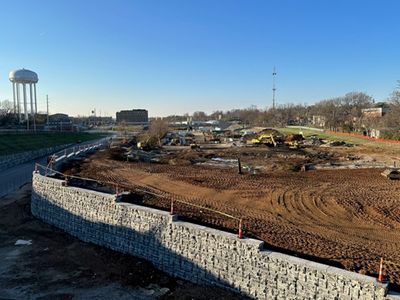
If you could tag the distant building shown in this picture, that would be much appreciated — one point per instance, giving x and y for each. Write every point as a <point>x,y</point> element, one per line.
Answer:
<point>297,121</point>
<point>84,122</point>
<point>59,122</point>
<point>97,121</point>
<point>374,112</point>
<point>134,116</point>
<point>318,121</point>
<point>370,120</point>
<point>379,110</point>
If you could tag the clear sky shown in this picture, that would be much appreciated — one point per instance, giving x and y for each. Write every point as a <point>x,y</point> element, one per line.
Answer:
<point>177,56</point>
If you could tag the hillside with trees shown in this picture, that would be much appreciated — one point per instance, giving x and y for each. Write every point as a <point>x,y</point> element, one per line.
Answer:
<point>347,113</point>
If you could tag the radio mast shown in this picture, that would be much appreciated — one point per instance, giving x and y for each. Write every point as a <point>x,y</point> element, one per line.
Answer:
<point>273,87</point>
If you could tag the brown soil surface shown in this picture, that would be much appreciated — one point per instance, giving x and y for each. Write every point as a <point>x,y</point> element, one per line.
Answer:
<point>349,218</point>
<point>59,266</point>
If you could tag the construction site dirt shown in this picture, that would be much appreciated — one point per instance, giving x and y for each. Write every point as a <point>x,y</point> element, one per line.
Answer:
<point>347,217</point>
<point>39,261</point>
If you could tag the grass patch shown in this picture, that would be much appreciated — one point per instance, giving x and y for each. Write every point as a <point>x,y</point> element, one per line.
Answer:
<point>339,137</point>
<point>15,143</point>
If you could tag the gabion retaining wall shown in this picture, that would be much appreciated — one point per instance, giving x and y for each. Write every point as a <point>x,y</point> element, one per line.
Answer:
<point>9,161</point>
<point>193,252</point>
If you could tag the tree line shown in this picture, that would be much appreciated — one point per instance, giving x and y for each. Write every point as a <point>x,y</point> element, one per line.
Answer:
<point>344,113</point>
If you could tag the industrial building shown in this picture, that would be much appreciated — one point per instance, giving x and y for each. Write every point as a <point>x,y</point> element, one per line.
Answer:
<point>59,122</point>
<point>134,116</point>
<point>378,110</point>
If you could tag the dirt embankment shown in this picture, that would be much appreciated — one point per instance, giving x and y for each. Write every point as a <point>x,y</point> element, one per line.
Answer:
<point>58,266</point>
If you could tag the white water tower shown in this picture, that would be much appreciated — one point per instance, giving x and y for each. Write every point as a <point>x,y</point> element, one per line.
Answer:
<point>23,78</point>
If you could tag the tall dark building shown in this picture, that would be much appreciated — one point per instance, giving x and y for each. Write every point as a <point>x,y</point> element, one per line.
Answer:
<point>134,116</point>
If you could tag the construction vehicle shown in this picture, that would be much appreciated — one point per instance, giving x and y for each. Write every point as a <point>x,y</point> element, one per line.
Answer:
<point>264,139</point>
<point>293,140</point>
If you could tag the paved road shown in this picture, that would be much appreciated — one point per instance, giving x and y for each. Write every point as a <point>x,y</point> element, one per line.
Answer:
<point>13,178</point>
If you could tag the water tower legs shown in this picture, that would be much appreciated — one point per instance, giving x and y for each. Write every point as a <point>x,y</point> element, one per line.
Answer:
<point>18,102</point>
<point>34,89</point>
<point>15,101</point>
<point>25,102</point>
<point>31,99</point>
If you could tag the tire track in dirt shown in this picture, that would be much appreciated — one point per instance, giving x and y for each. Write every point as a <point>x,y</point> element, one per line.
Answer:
<point>351,217</point>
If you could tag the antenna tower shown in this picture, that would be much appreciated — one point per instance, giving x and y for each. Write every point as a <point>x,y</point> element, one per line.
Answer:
<point>273,87</point>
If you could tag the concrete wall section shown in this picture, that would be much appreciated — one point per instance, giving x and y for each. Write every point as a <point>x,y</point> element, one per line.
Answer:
<point>9,161</point>
<point>196,253</point>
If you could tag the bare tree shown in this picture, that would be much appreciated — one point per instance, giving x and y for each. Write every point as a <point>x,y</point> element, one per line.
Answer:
<point>343,113</point>
<point>6,113</point>
<point>391,119</point>
<point>340,113</point>
<point>199,116</point>
<point>158,128</point>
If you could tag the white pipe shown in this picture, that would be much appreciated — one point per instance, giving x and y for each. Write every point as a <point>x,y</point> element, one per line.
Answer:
<point>25,103</point>
<point>18,103</point>
<point>34,87</point>
<point>33,114</point>
<point>31,99</point>
<point>15,102</point>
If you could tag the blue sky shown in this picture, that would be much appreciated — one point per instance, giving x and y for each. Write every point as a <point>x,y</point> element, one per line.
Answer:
<point>177,56</point>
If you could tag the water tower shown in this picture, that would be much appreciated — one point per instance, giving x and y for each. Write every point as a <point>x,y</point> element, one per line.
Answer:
<point>23,78</point>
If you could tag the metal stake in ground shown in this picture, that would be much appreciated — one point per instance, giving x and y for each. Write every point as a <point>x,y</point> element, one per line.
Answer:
<point>239,166</point>
<point>240,234</point>
<point>380,276</point>
<point>116,190</point>
<point>172,207</point>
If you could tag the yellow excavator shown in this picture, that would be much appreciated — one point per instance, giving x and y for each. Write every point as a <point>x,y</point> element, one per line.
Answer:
<point>293,140</point>
<point>264,139</point>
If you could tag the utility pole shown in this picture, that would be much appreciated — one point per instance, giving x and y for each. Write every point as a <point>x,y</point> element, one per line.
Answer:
<point>47,101</point>
<point>273,87</point>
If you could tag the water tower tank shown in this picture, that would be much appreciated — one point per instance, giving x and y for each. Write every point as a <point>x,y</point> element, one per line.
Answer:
<point>23,76</point>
